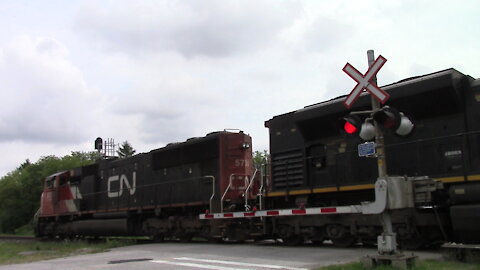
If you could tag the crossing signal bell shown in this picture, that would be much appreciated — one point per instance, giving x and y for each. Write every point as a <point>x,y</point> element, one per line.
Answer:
<point>367,131</point>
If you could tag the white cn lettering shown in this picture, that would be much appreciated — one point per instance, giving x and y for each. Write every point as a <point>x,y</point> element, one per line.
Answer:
<point>124,184</point>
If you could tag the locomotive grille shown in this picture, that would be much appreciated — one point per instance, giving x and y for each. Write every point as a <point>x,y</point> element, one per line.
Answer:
<point>287,169</point>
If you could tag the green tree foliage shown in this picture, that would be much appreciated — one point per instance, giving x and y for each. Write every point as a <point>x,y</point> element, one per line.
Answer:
<point>125,150</point>
<point>260,158</point>
<point>21,188</point>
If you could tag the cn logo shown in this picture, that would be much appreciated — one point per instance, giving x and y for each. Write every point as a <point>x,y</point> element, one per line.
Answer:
<point>124,184</point>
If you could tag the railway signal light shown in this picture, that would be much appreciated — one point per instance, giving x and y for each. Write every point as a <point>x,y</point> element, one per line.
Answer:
<point>390,118</point>
<point>350,124</point>
<point>99,144</point>
<point>386,118</point>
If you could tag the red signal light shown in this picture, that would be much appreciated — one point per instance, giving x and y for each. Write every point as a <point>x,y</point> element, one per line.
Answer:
<point>350,128</point>
<point>350,124</point>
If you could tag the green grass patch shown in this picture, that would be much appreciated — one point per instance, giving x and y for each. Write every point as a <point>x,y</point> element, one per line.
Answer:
<point>25,230</point>
<point>421,265</point>
<point>22,252</point>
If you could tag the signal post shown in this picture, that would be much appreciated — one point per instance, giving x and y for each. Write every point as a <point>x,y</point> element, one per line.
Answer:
<point>386,116</point>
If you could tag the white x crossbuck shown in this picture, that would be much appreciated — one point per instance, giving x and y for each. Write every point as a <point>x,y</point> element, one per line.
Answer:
<point>365,82</point>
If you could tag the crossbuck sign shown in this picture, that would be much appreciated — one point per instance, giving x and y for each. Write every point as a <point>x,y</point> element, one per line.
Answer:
<point>365,82</point>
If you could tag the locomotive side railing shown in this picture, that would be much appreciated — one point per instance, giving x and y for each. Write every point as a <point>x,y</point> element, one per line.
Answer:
<point>263,175</point>
<point>230,182</point>
<point>245,194</point>
<point>213,192</point>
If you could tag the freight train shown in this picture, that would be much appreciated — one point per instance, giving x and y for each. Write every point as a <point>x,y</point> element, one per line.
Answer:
<point>208,187</point>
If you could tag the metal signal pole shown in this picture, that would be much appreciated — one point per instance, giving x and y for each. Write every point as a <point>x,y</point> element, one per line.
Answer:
<point>387,241</point>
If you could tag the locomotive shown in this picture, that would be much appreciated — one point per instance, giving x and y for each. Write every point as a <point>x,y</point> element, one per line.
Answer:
<point>208,187</point>
<point>159,193</point>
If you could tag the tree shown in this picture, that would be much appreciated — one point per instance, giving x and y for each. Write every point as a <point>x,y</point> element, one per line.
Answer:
<point>260,158</point>
<point>125,150</point>
<point>21,188</point>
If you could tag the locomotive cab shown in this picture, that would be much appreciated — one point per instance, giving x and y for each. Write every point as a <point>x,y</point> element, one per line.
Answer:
<point>59,197</point>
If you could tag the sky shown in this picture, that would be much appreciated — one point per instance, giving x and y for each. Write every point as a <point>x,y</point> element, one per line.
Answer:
<point>155,72</point>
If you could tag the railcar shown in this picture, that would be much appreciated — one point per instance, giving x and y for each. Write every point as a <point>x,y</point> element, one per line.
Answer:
<point>158,193</point>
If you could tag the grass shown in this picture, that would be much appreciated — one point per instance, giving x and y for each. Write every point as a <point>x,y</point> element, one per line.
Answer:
<point>22,252</point>
<point>421,265</point>
<point>25,230</point>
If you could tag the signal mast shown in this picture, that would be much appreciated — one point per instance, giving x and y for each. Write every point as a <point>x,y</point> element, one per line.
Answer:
<point>370,127</point>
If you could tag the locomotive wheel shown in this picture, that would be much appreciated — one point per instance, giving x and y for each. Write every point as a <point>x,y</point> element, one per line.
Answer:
<point>340,236</point>
<point>412,243</point>
<point>410,239</point>
<point>293,240</point>
<point>318,237</point>
<point>185,237</point>
<point>158,238</point>
<point>318,242</point>
<point>345,241</point>
<point>215,240</point>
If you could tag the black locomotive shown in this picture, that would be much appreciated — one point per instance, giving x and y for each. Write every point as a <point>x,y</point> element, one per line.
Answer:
<point>313,164</point>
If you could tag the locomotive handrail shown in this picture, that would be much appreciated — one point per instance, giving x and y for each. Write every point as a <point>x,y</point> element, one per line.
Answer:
<point>228,188</point>
<point>225,193</point>
<point>245,194</point>
<point>366,208</point>
<point>213,191</point>
<point>260,190</point>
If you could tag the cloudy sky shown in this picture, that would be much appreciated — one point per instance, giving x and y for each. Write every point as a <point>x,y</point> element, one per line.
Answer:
<point>154,72</point>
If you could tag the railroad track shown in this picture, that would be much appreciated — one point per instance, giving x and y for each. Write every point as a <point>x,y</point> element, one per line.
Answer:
<point>16,238</point>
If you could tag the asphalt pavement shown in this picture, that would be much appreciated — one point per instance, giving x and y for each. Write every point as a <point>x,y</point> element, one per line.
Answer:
<point>225,256</point>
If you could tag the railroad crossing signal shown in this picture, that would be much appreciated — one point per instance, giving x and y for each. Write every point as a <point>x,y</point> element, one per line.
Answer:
<point>365,82</point>
<point>387,118</point>
<point>351,124</point>
<point>390,118</point>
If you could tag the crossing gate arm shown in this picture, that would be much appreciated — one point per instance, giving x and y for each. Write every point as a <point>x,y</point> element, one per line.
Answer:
<point>376,207</point>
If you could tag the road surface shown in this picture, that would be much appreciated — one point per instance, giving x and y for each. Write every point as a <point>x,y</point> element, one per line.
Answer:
<point>193,256</point>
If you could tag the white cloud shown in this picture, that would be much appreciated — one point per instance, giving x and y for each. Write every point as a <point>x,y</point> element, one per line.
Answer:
<point>44,97</point>
<point>215,28</point>
<point>154,72</point>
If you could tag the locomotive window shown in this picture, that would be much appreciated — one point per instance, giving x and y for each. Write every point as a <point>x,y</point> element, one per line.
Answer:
<point>49,183</point>
<point>63,180</point>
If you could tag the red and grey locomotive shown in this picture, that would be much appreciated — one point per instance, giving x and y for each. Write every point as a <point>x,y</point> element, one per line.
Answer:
<point>159,193</point>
